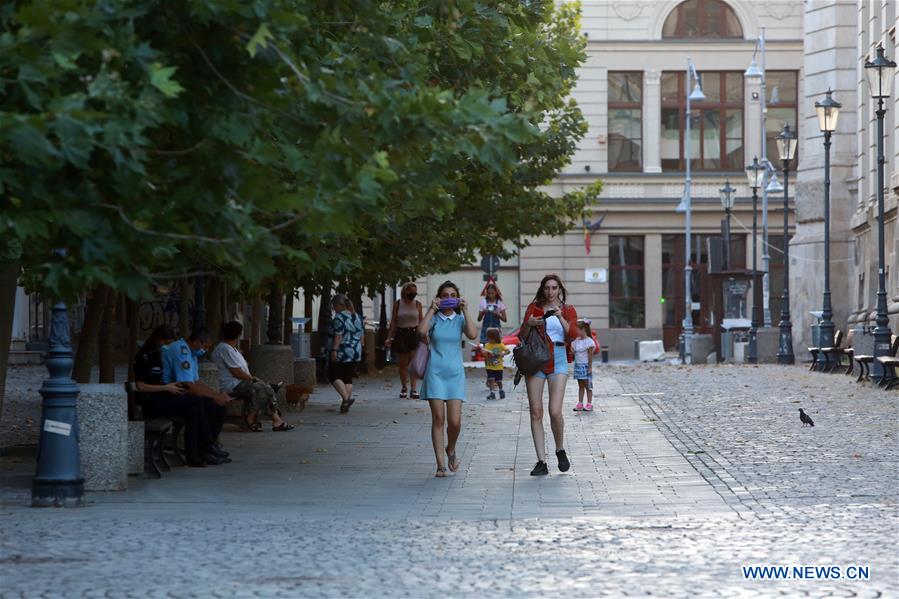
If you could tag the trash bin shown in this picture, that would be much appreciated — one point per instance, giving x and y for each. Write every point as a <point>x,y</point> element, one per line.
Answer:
<point>299,339</point>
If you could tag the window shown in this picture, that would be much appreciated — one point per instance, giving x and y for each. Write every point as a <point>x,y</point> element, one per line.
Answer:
<point>702,18</point>
<point>782,101</point>
<point>775,275</point>
<point>625,121</point>
<point>626,288</point>
<point>716,135</point>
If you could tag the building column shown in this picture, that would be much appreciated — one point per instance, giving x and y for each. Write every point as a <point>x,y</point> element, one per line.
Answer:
<point>652,121</point>
<point>652,268</point>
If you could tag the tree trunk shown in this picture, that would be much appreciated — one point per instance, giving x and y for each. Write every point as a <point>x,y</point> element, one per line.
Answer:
<point>288,316</point>
<point>183,308</point>
<point>90,336</point>
<point>9,276</point>
<point>107,338</point>
<point>307,306</point>
<point>275,324</point>
<point>214,305</point>
<point>324,316</point>
<point>131,310</point>
<point>256,324</point>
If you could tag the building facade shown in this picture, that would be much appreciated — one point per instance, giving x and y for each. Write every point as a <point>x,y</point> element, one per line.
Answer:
<point>632,90</point>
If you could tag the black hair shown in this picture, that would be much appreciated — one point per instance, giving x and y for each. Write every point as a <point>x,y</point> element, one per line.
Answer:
<point>446,284</point>
<point>202,335</point>
<point>231,330</point>
<point>159,334</point>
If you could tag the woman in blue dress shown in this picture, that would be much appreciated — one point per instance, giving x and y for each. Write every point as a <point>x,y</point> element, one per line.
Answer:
<point>444,383</point>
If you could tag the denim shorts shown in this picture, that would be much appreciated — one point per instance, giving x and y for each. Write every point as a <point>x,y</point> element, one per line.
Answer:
<point>582,373</point>
<point>560,362</point>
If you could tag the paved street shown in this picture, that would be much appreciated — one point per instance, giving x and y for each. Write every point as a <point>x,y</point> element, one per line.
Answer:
<point>680,477</point>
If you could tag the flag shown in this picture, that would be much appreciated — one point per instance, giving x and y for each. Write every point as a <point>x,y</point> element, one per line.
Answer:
<point>589,228</point>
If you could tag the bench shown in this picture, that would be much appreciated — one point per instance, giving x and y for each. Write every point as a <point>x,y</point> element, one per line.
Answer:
<point>825,352</point>
<point>865,361</point>
<point>833,356</point>
<point>160,436</point>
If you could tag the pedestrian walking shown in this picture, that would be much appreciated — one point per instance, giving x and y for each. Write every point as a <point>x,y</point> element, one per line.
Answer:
<point>402,337</point>
<point>583,348</point>
<point>494,352</point>
<point>556,322</point>
<point>444,383</point>
<point>491,310</point>
<point>347,332</point>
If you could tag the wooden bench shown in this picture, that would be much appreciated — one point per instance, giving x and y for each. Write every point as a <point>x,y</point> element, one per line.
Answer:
<point>825,353</point>
<point>833,356</point>
<point>156,433</point>
<point>865,361</point>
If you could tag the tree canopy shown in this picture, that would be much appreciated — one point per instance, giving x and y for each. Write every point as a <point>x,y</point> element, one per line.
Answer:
<point>280,140</point>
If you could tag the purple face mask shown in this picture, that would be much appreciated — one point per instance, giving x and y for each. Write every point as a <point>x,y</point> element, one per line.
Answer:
<point>449,303</point>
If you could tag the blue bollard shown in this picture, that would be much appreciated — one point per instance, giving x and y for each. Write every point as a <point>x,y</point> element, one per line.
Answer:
<point>58,481</point>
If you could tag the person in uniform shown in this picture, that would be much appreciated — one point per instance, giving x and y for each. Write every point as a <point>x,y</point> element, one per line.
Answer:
<point>165,400</point>
<point>179,365</point>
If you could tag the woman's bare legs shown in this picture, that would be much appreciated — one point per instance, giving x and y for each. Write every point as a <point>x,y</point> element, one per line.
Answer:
<point>438,421</point>
<point>535,403</point>
<point>556,395</point>
<point>453,428</point>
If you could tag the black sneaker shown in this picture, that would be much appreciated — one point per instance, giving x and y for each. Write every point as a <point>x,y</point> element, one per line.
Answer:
<point>540,469</point>
<point>564,464</point>
<point>218,452</point>
<point>502,394</point>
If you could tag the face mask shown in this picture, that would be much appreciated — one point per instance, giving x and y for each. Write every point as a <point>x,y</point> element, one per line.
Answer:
<point>449,302</point>
<point>199,352</point>
<point>411,295</point>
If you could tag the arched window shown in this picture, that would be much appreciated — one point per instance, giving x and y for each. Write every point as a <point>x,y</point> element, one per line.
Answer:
<point>702,18</point>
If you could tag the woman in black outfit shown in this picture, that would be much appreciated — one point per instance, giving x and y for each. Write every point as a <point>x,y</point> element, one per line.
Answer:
<point>158,400</point>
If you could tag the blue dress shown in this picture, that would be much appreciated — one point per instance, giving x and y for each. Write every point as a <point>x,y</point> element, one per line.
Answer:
<point>445,377</point>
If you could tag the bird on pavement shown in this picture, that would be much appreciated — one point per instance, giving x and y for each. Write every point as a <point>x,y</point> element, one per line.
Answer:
<point>805,418</point>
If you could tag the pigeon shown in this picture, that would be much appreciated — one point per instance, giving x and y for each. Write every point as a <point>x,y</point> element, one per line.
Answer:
<point>805,418</point>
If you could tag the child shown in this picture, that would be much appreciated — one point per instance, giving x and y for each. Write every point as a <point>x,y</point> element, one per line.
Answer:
<point>494,350</point>
<point>583,348</point>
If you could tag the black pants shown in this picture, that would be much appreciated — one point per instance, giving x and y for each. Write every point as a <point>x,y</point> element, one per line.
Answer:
<point>202,424</point>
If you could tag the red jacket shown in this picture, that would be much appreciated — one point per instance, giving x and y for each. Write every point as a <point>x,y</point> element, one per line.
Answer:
<point>570,315</point>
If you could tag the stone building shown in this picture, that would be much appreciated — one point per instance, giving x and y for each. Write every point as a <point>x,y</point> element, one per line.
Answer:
<point>839,36</point>
<point>632,91</point>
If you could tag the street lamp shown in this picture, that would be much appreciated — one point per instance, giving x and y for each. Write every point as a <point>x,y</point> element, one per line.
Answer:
<point>880,72</point>
<point>727,194</point>
<point>786,148</point>
<point>695,96</point>
<point>755,173</point>
<point>828,111</point>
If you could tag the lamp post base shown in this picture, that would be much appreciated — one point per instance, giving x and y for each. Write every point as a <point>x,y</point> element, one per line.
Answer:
<point>785,346</point>
<point>57,493</point>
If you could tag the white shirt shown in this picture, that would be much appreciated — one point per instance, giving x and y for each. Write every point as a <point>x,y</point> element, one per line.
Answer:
<point>450,316</point>
<point>225,356</point>
<point>581,349</point>
<point>554,328</point>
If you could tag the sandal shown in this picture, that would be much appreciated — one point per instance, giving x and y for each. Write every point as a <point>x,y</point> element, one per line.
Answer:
<point>415,395</point>
<point>404,393</point>
<point>454,462</point>
<point>256,427</point>
<point>283,427</point>
<point>345,405</point>
<point>441,472</point>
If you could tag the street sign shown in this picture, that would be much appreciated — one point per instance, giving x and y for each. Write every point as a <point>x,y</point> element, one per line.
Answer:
<point>490,264</point>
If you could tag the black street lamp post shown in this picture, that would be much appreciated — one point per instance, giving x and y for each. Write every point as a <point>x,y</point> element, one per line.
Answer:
<point>58,482</point>
<point>880,72</point>
<point>727,195</point>
<point>828,111</point>
<point>786,147</point>
<point>755,173</point>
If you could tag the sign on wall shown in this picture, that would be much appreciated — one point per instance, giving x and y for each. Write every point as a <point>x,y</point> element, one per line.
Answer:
<point>595,275</point>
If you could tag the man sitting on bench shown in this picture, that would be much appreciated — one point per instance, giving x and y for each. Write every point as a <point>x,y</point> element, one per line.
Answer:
<point>179,365</point>
<point>161,400</point>
<point>236,380</point>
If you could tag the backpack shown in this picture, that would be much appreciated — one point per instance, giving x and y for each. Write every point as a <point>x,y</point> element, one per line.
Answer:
<point>532,354</point>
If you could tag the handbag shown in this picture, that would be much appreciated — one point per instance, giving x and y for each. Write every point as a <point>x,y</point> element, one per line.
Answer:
<point>532,355</point>
<point>418,366</point>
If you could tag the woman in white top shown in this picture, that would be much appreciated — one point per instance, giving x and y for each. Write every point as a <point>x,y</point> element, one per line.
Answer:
<point>556,322</point>
<point>402,337</point>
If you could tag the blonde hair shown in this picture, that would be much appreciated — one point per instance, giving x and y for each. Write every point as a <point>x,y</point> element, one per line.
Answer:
<point>494,335</point>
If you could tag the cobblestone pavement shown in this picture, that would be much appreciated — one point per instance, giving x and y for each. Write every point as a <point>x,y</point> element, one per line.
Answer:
<point>681,476</point>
